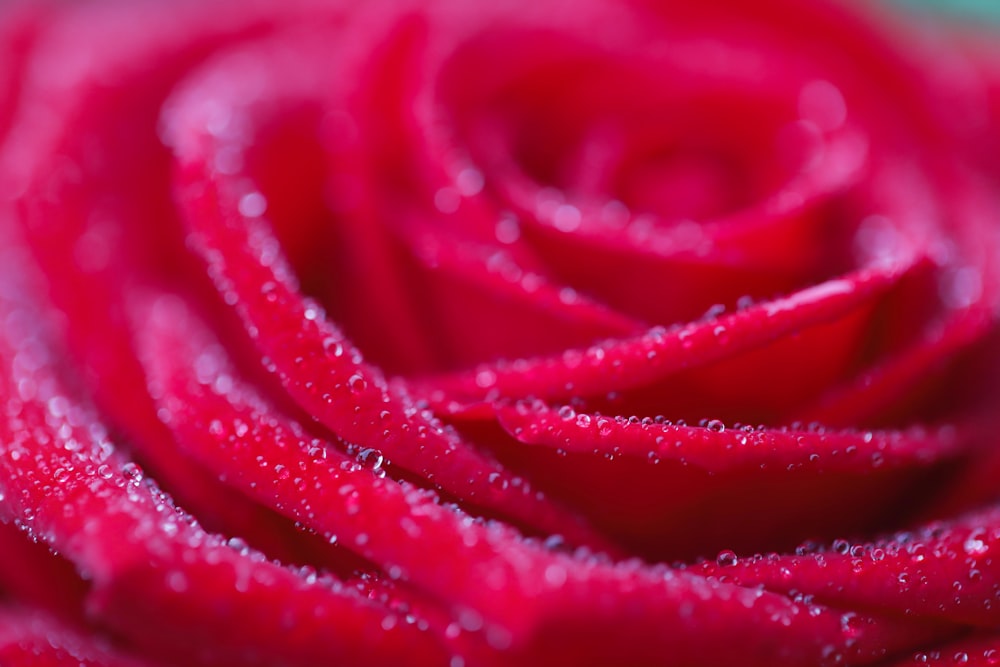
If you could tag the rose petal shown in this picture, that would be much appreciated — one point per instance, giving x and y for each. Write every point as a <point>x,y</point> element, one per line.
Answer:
<point>674,487</point>
<point>69,487</point>
<point>30,638</point>
<point>315,363</point>
<point>78,212</point>
<point>635,362</point>
<point>975,651</point>
<point>943,570</point>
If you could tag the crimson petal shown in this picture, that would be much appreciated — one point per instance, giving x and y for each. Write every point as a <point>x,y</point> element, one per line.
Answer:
<point>31,639</point>
<point>68,486</point>
<point>315,363</point>
<point>637,361</point>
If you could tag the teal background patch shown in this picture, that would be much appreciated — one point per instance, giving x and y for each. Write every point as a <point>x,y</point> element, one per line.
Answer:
<point>968,9</point>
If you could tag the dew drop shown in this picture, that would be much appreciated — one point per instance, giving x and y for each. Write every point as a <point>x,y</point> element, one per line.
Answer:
<point>555,575</point>
<point>485,378</point>
<point>508,230</point>
<point>566,218</point>
<point>822,103</point>
<point>371,458</point>
<point>850,624</point>
<point>333,347</point>
<point>726,558</point>
<point>975,546</point>
<point>447,200</point>
<point>252,205</point>
<point>469,181</point>
<point>960,288</point>
<point>133,472</point>
<point>715,425</point>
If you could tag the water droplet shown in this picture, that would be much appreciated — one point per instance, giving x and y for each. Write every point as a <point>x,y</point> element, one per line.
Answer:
<point>469,181</point>
<point>252,205</point>
<point>568,295</point>
<point>566,412</point>
<point>566,218</point>
<point>726,558</point>
<point>371,458</point>
<point>974,545</point>
<point>357,382</point>
<point>555,575</point>
<point>686,340</point>
<point>333,347</point>
<point>133,472</point>
<point>507,229</point>
<point>807,547</point>
<point>485,378</point>
<point>715,425</point>
<point>850,624</point>
<point>960,288</point>
<point>447,200</point>
<point>821,103</point>
<point>470,619</point>
<point>177,581</point>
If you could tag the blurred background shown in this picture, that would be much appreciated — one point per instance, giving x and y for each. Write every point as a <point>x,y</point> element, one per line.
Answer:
<point>972,9</point>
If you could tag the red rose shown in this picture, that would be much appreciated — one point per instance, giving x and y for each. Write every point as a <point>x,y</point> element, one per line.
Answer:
<point>594,333</point>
